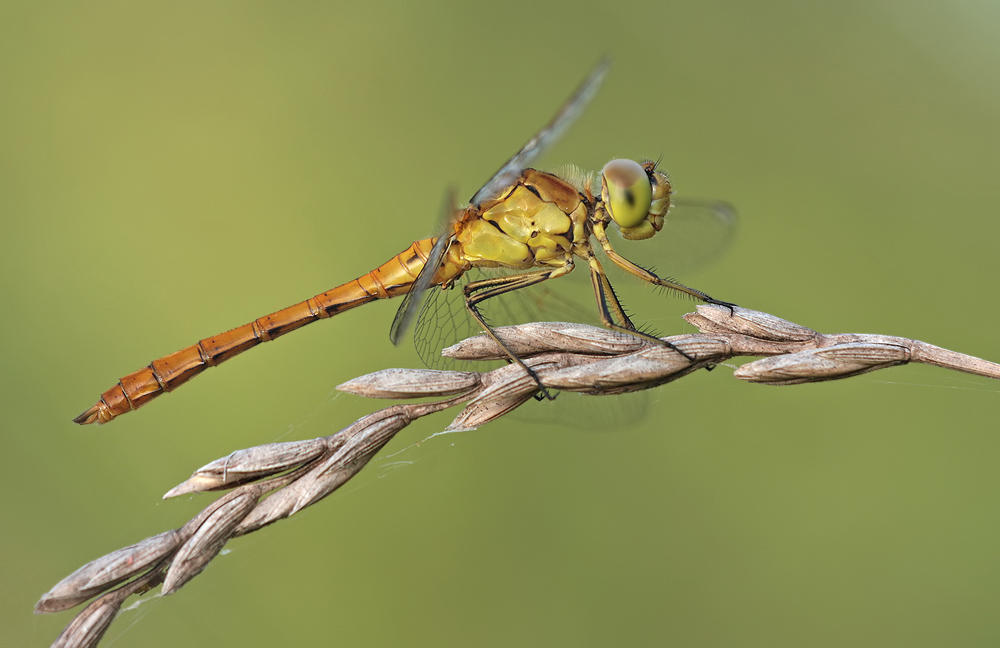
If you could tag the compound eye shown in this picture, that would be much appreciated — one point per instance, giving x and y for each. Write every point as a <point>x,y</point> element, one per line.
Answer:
<point>629,193</point>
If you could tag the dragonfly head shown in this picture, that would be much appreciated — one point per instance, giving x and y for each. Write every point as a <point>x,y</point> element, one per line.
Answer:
<point>636,197</point>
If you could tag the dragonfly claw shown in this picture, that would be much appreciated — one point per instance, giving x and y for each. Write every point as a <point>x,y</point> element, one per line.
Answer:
<point>731,306</point>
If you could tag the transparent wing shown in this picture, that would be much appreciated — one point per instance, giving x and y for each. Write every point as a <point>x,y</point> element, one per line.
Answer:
<point>545,137</point>
<point>508,173</point>
<point>444,319</point>
<point>591,413</point>
<point>697,232</point>
<point>412,300</point>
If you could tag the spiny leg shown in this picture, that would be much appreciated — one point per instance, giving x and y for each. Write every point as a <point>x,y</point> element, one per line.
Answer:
<point>479,291</point>
<point>650,277</point>
<point>607,302</point>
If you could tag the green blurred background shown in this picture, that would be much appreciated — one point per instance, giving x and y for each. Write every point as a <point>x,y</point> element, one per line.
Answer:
<point>170,171</point>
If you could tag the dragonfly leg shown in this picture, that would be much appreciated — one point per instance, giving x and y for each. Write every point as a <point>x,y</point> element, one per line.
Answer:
<point>644,274</point>
<point>479,291</point>
<point>612,312</point>
<point>611,308</point>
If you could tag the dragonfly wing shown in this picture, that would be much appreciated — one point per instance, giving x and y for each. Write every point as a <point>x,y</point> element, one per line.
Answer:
<point>444,320</point>
<point>697,232</point>
<point>412,300</point>
<point>428,336</point>
<point>544,138</point>
<point>591,413</point>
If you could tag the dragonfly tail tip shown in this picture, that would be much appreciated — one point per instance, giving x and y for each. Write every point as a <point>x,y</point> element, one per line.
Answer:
<point>94,415</point>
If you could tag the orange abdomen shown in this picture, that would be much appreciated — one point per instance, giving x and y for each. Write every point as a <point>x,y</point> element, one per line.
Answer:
<point>393,278</point>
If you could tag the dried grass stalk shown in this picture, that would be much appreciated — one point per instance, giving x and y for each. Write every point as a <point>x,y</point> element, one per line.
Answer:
<point>277,480</point>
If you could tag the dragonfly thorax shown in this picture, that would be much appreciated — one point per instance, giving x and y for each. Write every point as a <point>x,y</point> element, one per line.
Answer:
<point>536,222</point>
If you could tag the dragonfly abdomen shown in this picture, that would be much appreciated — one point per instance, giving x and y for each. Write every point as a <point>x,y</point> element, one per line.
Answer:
<point>393,278</point>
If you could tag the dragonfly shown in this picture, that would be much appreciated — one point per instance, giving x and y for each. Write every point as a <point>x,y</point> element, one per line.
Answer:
<point>531,225</point>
